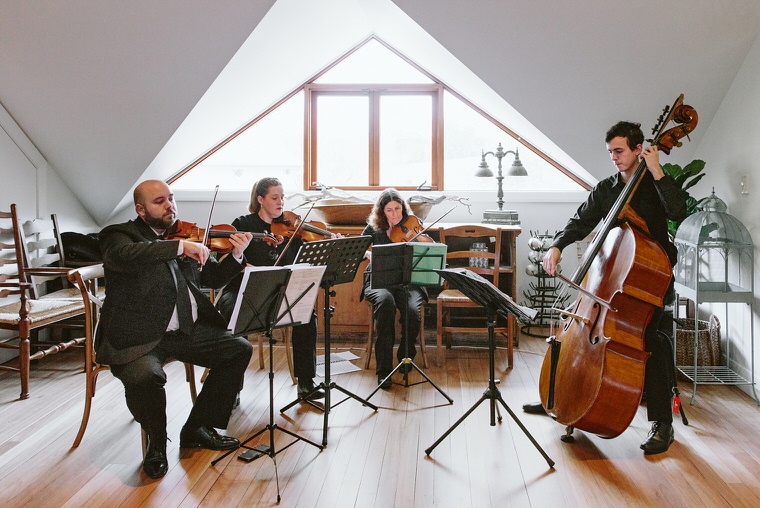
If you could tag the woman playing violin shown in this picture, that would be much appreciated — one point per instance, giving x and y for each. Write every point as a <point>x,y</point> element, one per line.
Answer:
<point>387,222</point>
<point>266,208</point>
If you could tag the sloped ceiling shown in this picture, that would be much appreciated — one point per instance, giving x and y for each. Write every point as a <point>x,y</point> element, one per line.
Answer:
<point>575,68</point>
<point>100,86</point>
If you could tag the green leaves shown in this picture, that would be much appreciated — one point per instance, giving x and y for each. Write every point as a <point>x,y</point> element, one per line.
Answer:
<point>685,178</point>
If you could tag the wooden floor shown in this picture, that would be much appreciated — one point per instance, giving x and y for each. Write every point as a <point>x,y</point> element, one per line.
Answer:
<point>372,458</point>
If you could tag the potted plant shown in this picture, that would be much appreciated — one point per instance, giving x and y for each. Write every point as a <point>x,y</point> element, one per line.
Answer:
<point>685,177</point>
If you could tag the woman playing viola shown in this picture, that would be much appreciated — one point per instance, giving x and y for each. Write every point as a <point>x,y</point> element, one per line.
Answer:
<point>388,215</point>
<point>266,207</point>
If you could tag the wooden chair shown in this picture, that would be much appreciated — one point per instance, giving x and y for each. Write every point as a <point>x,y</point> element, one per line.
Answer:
<point>25,306</point>
<point>459,240</point>
<point>286,335</point>
<point>86,280</point>
<point>371,337</point>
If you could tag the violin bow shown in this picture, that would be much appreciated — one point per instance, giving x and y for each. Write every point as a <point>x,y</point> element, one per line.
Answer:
<point>295,233</point>
<point>432,224</point>
<point>210,212</point>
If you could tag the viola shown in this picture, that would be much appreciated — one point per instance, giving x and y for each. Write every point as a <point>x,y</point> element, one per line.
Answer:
<point>218,238</point>
<point>290,223</point>
<point>408,230</point>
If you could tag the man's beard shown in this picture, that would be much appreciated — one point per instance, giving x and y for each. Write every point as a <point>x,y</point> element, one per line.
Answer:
<point>158,222</point>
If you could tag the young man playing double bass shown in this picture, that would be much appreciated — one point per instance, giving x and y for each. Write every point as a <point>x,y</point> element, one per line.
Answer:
<point>656,200</point>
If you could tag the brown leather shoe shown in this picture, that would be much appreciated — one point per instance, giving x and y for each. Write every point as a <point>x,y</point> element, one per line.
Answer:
<point>206,437</point>
<point>659,439</point>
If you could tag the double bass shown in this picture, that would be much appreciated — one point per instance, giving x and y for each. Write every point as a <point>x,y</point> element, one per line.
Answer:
<point>592,376</point>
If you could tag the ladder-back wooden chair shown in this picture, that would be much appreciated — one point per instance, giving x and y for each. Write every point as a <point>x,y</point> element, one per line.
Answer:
<point>88,282</point>
<point>25,307</point>
<point>459,241</point>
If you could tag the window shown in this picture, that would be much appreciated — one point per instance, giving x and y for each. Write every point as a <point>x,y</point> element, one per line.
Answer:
<point>372,120</point>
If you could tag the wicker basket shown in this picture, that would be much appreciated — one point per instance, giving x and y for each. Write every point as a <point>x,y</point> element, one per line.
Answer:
<point>708,343</point>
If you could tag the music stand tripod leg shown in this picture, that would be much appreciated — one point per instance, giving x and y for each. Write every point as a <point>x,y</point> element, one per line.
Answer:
<point>407,360</point>
<point>492,394</point>
<point>269,450</point>
<point>327,385</point>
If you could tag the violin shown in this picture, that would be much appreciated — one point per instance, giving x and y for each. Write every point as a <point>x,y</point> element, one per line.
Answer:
<point>218,235</point>
<point>408,230</point>
<point>290,223</point>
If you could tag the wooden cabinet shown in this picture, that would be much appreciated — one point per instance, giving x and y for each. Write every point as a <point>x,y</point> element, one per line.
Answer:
<point>351,316</point>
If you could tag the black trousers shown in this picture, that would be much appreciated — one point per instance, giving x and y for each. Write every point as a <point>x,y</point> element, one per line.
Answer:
<point>304,339</point>
<point>657,374</point>
<point>384,303</point>
<point>224,355</point>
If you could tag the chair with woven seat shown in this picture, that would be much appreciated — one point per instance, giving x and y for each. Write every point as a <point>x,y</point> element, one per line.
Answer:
<point>86,280</point>
<point>460,252</point>
<point>25,306</point>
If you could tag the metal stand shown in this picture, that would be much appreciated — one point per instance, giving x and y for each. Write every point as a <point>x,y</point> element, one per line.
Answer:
<point>265,312</point>
<point>408,361</point>
<point>484,293</point>
<point>342,257</point>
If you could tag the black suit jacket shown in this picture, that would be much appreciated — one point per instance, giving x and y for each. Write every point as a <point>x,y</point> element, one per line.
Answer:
<point>141,293</point>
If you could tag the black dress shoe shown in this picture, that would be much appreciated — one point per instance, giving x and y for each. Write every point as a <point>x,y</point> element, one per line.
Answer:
<point>405,368</point>
<point>384,384</point>
<point>659,438</point>
<point>206,437</point>
<point>305,387</point>
<point>534,408</point>
<point>155,464</point>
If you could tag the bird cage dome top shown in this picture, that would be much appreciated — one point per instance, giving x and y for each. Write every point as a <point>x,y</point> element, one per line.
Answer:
<point>712,225</point>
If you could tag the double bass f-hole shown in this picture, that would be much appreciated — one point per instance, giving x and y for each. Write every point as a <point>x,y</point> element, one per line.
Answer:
<point>593,338</point>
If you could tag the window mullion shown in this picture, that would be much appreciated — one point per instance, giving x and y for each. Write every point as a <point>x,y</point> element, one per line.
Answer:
<point>374,138</point>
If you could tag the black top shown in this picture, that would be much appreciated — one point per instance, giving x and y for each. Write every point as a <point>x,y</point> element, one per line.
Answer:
<point>260,253</point>
<point>655,201</point>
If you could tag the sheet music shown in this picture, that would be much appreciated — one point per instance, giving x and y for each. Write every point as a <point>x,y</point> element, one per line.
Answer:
<point>486,292</point>
<point>301,276</point>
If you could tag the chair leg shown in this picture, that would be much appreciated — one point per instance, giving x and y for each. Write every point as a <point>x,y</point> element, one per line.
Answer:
<point>23,366</point>
<point>92,378</point>
<point>287,334</point>
<point>510,340</point>
<point>260,337</point>
<point>439,335</point>
<point>422,338</point>
<point>370,338</point>
<point>190,377</point>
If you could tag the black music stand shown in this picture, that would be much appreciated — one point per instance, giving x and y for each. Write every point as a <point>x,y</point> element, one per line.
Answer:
<point>482,292</point>
<point>266,301</point>
<point>341,258</point>
<point>402,265</point>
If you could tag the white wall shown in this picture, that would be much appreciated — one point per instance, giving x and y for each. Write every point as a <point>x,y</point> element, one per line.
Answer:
<point>730,150</point>
<point>35,187</point>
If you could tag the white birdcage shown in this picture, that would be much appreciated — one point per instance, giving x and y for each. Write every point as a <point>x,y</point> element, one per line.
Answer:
<point>715,264</point>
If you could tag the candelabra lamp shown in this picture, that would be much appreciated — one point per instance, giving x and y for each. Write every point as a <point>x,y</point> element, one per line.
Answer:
<point>501,216</point>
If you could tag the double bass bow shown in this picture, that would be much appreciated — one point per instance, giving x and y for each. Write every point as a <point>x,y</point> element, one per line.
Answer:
<point>592,376</point>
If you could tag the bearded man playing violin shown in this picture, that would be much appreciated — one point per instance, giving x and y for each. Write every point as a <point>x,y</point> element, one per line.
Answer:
<point>154,311</point>
<point>656,200</point>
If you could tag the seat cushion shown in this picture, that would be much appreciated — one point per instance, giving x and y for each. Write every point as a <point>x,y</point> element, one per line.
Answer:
<point>41,310</point>
<point>452,296</point>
